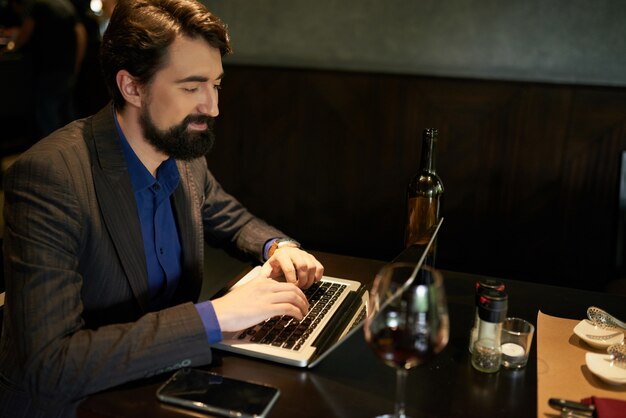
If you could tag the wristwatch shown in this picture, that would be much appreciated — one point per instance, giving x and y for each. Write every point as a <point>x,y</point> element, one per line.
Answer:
<point>282,242</point>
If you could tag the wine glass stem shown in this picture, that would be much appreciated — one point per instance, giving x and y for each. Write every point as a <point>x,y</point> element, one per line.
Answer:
<point>401,375</point>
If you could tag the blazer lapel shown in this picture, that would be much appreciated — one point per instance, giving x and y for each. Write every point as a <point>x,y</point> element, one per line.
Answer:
<point>187,211</point>
<point>117,202</point>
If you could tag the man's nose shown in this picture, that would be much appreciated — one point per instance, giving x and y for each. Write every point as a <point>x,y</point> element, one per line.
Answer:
<point>209,105</point>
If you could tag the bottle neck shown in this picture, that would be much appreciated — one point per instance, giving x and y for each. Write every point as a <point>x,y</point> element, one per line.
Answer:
<point>429,143</point>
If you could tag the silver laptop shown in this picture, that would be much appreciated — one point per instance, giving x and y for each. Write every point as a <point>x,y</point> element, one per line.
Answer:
<point>337,308</point>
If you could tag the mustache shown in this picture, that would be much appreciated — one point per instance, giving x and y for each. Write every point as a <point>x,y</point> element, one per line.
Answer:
<point>209,120</point>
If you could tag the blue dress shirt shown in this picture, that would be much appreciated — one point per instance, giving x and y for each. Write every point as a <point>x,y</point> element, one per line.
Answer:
<point>160,233</point>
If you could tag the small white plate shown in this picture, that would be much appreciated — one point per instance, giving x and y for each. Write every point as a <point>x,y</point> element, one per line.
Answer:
<point>585,330</point>
<point>602,366</point>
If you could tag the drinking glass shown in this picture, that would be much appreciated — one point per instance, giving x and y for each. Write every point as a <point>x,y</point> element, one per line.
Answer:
<point>407,322</point>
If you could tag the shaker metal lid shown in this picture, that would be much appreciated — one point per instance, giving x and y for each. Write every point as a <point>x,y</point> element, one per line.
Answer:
<point>487,283</point>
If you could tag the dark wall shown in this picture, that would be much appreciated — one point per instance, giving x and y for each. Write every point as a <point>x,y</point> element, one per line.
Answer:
<point>563,41</point>
<point>530,170</point>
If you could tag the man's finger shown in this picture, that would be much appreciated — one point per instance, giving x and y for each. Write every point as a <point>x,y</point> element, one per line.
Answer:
<point>266,270</point>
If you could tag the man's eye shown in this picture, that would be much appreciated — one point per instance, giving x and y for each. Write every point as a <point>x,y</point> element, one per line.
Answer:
<point>191,90</point>
<point>217,86</point>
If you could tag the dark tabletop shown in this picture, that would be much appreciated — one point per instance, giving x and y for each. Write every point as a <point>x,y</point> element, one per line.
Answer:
<point>353,382</point>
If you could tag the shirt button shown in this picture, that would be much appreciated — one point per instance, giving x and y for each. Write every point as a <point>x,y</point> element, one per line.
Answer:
<point>156,187</point>
<point>161,251</point>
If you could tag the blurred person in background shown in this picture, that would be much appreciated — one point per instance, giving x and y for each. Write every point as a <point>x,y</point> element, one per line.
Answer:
<point>90,92</point>
<point>52,33</point>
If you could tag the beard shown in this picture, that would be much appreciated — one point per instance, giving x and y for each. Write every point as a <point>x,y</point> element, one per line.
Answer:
<point>178,142</point>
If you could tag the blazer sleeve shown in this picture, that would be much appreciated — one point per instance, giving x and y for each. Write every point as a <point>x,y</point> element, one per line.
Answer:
<point>227,222</point>
<point>52,353</point>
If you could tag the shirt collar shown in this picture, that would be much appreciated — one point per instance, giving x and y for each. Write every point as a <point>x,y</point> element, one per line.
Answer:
<point>140,177</point>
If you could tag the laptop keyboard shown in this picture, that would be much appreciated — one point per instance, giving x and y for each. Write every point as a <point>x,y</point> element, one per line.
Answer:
<point>285,331</point>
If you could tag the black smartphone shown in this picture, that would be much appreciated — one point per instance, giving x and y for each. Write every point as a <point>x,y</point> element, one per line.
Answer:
<point>210,392</point>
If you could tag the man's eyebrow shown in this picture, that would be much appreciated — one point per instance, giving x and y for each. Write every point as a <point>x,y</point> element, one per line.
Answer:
<point>197,79</point>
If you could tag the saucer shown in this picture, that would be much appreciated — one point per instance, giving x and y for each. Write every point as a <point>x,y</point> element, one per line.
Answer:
<point>585,328</point>
<point>602,366</point>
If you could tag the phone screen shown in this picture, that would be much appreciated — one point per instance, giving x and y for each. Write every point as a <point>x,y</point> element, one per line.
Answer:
<point>213,393</point>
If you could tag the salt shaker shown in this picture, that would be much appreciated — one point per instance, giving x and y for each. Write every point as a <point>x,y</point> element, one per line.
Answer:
<point>492,307</point>
<point>481,284</point>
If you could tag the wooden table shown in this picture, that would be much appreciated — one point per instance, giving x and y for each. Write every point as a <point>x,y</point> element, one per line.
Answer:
<point>353,382</point>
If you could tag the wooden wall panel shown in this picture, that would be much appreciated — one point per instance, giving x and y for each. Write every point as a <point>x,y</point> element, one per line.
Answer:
<point>530,170</point>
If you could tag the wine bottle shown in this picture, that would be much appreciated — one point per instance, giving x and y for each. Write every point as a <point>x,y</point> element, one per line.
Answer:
<point>424,194</point>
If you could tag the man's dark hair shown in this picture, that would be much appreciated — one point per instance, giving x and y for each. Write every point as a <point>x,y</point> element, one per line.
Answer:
<point>140,32</point>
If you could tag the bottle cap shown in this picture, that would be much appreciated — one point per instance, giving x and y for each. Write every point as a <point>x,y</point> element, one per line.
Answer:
<point>431,133</point>
<point>492,305</point>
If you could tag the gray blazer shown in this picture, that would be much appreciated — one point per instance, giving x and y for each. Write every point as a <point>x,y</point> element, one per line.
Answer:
<point>76,317</point>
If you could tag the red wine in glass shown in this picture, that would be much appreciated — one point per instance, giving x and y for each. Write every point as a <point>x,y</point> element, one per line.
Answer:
<point>407,323</point>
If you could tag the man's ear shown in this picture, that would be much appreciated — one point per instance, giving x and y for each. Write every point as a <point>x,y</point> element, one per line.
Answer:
<point>129,87</point>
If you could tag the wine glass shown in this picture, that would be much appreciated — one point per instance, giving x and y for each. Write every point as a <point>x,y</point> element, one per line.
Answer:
<point>407,322</point>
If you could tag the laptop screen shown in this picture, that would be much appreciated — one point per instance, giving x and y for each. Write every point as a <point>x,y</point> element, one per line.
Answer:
<point>420,254</point>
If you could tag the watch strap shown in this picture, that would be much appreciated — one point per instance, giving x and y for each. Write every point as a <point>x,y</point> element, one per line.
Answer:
<point>282,242</point>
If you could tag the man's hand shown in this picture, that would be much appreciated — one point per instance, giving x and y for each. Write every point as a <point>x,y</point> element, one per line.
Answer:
<point>298,267</point>
<point>259,299</point>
